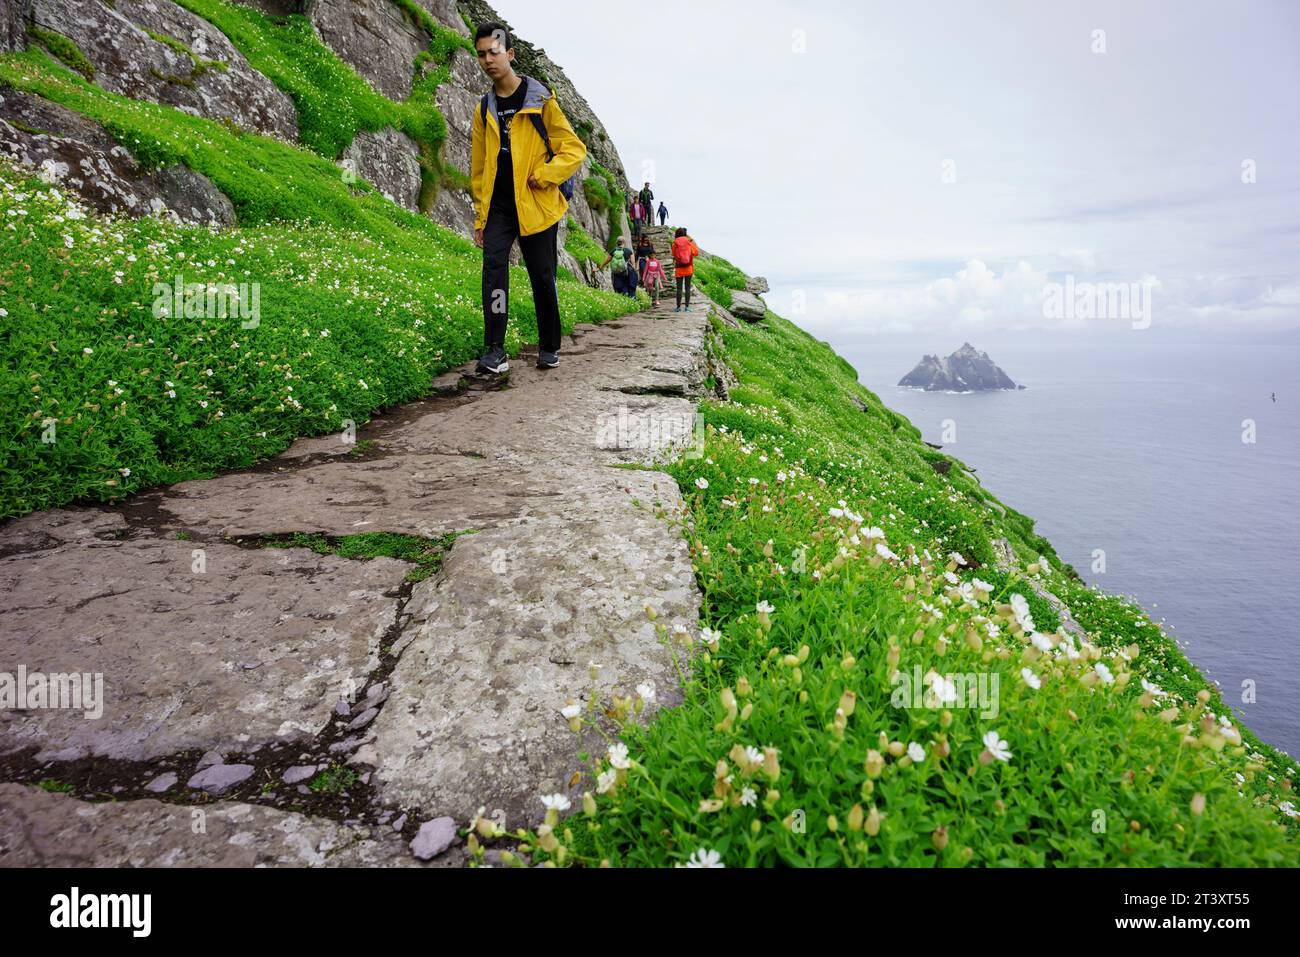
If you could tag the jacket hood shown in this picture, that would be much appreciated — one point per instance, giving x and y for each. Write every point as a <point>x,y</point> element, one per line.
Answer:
<point>535,95</point>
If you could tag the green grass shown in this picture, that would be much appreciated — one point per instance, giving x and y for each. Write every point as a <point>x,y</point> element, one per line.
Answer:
<point>780,509</point>
<point>604,196</point>
<point>362,304</point>
<point>718,278</point>
<point>65,49</point>
<point>425,553</point>
<point>333,779</point>
<point>54,786</point>
<point>582,245</point>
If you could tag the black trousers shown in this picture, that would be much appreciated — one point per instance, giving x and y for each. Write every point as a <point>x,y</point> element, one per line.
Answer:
<point>684,282</point>
<point>540,253</point>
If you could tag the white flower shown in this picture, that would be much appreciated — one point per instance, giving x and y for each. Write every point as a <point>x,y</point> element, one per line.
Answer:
<point>646,690</point>
<point>571,711</point>
<point>618,755</point>
<point>1041,641</point>
<point>1103,672</point>
<point>4,312</point>
<point>87,350</point>
<point>837,513</point>
<point>916,752</point>
<point>753,755</point>
<point>172,393</point>
<point>701,482</point>
<point>705,858</point>
<point>944,690</point>
<point>957,558</point>
<point>557,801</point>
<point>709,636</point>
<point>997,747</point>
<point>749,797</point>
<point>605,781</point>
<point>883,551</point>
<point>765,607</point>
<point>1031,679</point>
<point>1288,808</point>
<point>125,472</point>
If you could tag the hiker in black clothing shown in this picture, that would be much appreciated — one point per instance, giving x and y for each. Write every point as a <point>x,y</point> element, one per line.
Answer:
<point>647,200</point>
<point>663,213</point>
<point>521,175</point>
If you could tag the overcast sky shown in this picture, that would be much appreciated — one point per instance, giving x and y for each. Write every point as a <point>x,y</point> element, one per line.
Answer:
<point>810,143</point>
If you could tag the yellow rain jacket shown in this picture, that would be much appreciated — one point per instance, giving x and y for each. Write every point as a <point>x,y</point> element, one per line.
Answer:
<point>539,209</point>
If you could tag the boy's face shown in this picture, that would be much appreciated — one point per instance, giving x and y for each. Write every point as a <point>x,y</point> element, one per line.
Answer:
<point>493,56</point>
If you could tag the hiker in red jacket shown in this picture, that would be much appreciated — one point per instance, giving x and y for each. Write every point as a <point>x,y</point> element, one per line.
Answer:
<point>654,278</point>
<point>684,253</point>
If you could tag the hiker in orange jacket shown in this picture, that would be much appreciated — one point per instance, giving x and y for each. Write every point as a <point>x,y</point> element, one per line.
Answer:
<point>684,253</point>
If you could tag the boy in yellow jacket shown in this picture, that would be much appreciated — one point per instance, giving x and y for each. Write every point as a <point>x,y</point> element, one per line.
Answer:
<point>517,194</point>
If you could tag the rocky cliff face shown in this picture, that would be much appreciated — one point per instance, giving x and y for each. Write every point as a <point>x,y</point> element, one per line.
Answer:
<point>142,49</point>
<point>966,370</point>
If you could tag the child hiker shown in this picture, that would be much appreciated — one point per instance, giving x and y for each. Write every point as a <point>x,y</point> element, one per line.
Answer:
<point>516,172</point>
<point>654,278</point>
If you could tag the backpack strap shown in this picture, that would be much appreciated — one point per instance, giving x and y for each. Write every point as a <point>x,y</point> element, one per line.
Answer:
<point>541,130</point>
<point>482,108</point>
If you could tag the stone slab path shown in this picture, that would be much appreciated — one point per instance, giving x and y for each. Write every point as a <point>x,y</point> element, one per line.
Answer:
<point>264,667</point>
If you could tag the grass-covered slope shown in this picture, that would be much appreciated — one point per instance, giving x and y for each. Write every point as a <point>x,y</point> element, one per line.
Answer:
<point>361,303</point>
<point>832,556</point>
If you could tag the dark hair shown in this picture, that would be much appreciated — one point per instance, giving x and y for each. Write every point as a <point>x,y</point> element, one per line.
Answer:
<point>490,29</point>
<point>681,231</point>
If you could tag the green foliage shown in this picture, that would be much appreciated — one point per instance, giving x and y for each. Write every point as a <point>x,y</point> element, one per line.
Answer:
<point>812,628</point>
<point>67,51</point>
<point>361,305</point>
<point>582,245</point>
<point>425,553</point>
<point>718,278</point>
<point>334,779</point>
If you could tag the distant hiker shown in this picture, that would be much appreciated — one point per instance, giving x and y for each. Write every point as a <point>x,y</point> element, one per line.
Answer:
<point>684,253</point>
<point>647,199</point>
<point>654,278</point>
<point>644,250</point>
<point>663,213</point>
<point>638,212</point>
<point>520,179</point>
<point>620,270</point>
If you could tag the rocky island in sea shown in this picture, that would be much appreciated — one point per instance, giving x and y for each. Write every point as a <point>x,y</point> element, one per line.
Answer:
<point>966,370</point>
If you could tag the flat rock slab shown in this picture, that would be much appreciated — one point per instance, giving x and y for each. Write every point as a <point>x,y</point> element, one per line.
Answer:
<point>253,648</point>
<point>39,829</point>
<point>562,554</point>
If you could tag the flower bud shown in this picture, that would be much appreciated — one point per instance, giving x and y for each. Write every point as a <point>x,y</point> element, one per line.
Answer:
<point>771,766</point>
<point>855,818</point>
<point>874,764</point>
<point>848,701</point>
<point>939,838</point>
<point>1198,803</point>
<point>872,823</point>
<point>897,748</point>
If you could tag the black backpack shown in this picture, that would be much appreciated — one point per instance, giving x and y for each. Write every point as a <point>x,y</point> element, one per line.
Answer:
<point>567,187</point>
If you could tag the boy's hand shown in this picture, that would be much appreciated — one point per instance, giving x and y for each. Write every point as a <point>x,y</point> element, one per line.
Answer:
<point>478,238</point>
<point>532,182</point>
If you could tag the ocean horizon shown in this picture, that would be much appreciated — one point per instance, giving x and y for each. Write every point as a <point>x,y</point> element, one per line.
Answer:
<point>1134,447</point>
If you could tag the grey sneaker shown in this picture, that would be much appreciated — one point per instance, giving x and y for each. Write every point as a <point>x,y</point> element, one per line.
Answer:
<point>547,360</point>
<point>493,362</point>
